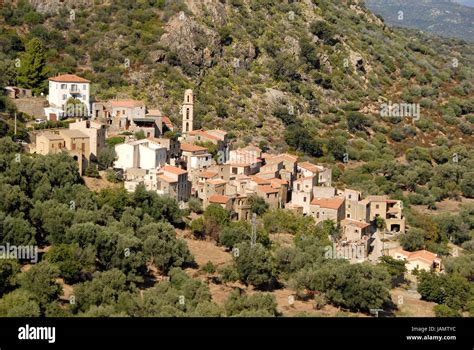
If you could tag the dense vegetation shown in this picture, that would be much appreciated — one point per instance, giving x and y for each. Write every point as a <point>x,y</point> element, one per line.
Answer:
<point>315,90</point>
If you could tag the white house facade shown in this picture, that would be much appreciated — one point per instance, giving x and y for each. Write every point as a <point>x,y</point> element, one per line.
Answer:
<point>64,87</point>
<point>143,154</point>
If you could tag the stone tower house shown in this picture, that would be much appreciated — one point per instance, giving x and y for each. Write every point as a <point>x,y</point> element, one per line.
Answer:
<point>188,111</point>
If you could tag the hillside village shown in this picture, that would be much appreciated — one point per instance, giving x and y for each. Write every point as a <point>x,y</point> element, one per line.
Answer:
<point>173,161</point>
<point>233,158</point>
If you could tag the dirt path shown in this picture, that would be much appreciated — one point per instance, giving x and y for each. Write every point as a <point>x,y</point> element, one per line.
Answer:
<point>410,305</point>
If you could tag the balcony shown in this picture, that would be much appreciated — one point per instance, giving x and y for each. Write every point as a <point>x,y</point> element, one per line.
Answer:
<point>73,89</point>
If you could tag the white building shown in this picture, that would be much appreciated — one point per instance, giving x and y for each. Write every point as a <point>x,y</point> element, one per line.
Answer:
<point>196,157</point>
<point>64,87</point>
<point>166,181</point>
<point>143,154</point>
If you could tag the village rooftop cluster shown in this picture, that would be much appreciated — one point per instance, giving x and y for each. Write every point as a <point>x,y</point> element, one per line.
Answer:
<point>182,168</point>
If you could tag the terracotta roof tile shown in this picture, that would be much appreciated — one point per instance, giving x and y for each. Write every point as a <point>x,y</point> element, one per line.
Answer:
<point>329,203</point>
<point>69,78</point>
<point>208,174</point>
<point>219,199</point>
<point>127,103</point>
<point>187,147</point>
<point>359,224</point>
<point>260,181</point>
<point>216,181</point>
<point>174,170</point>
<point>267,189</point>
<point>309,166</point>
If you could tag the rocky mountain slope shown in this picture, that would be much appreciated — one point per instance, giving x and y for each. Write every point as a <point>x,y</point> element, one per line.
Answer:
<point>306,76</point>
<point>444,17</point>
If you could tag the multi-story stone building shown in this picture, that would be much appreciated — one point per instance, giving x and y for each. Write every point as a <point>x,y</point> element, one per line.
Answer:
<point>63,88</point>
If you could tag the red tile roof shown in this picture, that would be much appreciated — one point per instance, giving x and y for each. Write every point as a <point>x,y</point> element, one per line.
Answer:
<point>69,78</point>
<point>283,156</point>
<point>187,147</point>
<point>267,189</point>
<point>260,181</point>
<point>420,254</point>
<point>208,174</point>
<point>308,166</point>
<point>216,181</point>
<point>219,199</point>
<point>423,255</point>
<point>204,134</point>
<point>329,203</point>
<point>174,170</point>
<point>359,224</point>
<point>279,181</point>
<point>127,103</point>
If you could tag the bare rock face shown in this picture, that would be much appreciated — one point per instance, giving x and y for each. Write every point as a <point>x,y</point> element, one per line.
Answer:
<point>54,6</point>
<point>214,9</point>
<point>157,56</point>
<point>195,46</point>
<point>244,54</point>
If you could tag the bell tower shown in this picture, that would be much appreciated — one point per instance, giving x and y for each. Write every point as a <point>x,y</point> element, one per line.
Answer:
<point>188,112</point>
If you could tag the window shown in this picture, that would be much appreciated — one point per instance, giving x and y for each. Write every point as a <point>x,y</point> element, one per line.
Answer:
<point>64,97</point>
<point>84,87</point>
<point>63,86</point>
<point>348,216</point>
<point>298,187</point>
<point>317,215</point>
<point>304,199</point>
<point>377,206</point>
<point>350,196</point>
<point>349,206</point>
<point>187,113</point>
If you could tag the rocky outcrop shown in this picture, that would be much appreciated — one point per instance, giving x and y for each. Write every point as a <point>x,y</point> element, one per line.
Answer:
<point>194,45</point>
<point>214,9</point>
<point>54,6</point>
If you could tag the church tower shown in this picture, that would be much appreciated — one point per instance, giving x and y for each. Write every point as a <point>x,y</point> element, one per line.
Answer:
<point>188,112</point>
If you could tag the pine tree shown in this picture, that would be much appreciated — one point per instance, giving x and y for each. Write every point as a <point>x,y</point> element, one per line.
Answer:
<point>32,73</point>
